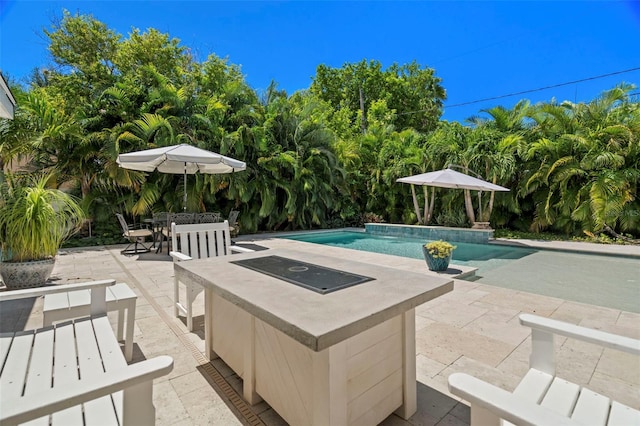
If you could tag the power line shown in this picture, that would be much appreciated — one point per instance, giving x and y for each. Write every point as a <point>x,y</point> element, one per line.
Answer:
<point>541,88</point>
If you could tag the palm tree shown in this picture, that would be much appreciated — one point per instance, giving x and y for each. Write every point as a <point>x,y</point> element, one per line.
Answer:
<point>589,165</point>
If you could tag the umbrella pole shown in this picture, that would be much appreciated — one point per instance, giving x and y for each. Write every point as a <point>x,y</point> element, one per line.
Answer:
<point>184,188</point>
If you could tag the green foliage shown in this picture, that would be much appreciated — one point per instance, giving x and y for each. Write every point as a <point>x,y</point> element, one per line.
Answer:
<point>409,88</point>
<point>370,217</point>
<point>314,158</point>
<point>35,219</point>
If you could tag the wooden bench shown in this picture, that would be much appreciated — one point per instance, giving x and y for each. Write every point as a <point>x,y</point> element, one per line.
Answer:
<point>74,372</point>
<point>75,304</point>
<point>541,398</point>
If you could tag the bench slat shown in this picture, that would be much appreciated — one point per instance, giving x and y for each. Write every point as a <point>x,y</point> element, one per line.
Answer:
<point>98,411</point>
<point>121,291</point>
<point>561,397</point>
<point>76,304</point>
<point>74,300</point>
<point>41,368</point>
<point>592,408</point>
<point>622,415</point>
<point>15,368</point>
<point>111,356</point>
<point>534,385</point>
<point>55,301</point>
<point>5,344</point>
<point>82,297</point>
<point>65,370</point>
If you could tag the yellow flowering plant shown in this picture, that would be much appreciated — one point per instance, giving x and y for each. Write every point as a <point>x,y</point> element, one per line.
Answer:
<point>440,249</point>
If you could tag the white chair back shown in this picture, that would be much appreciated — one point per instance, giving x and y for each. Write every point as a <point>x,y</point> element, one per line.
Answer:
<point>201,240</point>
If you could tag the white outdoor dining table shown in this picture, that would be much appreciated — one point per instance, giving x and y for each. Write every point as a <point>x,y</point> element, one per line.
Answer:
<point>345,357</point>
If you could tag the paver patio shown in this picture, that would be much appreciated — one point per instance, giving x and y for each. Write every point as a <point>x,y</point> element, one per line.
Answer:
<point>473,329</point>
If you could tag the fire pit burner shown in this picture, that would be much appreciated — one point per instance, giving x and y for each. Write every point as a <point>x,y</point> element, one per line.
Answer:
<point>313,277</point>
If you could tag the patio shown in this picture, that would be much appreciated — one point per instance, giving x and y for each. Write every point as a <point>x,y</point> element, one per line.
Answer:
<point>473,329</point>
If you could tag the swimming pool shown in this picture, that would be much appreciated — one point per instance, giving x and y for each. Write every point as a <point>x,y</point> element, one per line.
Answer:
<point>601,280</point>
<point>482,256</point>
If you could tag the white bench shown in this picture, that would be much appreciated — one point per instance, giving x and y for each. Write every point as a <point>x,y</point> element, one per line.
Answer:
<point>74,372</point>
<point>75,304</point>
<point>541,398</point>
<point>198,241</point>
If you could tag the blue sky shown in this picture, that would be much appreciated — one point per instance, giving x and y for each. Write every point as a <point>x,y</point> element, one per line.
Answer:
<point>480,49</point>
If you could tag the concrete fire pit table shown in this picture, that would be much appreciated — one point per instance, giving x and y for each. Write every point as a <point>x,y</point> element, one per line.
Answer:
<point>340,353</point>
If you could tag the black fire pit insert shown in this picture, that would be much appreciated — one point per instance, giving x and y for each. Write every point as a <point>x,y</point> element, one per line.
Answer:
<point>313,277</point>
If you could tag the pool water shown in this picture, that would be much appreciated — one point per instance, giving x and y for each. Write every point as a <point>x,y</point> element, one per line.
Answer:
<point>482,256</point>
<point>609,281</point>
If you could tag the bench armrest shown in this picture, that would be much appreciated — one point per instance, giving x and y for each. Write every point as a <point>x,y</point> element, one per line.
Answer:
<point>41,291</point>
<point>179,257</point>
<point>15,411</point>
<point>490,403</point>
<point>239,249</point>
<point>561,328</point>
<point>543,331</point>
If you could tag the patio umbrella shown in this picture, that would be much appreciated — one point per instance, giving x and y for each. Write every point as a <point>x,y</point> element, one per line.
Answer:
<point>180,159</point>
<point>449,178</point>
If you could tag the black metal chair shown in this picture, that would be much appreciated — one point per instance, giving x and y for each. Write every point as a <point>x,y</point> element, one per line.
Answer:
<point>178,219</point>
<point>234,227</point>
<point>136,235</point>
<point>159,223</point>
<point>208,217</point>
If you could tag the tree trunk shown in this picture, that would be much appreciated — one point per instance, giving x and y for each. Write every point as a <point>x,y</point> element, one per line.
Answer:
<point>490,208</point>
<point>428,204</point>
<point>468,204</point>
<point>416,206</point>
<point>491,198</point>
<point>85,186</point>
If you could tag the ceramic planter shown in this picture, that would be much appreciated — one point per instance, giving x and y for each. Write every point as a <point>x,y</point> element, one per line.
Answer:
<point>17,275</point>
<point>437,264</point>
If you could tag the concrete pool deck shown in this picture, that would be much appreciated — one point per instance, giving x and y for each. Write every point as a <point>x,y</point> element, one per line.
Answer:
<point>473,329</point>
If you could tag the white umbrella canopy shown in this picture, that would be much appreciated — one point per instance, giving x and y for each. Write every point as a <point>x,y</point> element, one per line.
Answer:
<point>449,178</point>
<point>180,159</point>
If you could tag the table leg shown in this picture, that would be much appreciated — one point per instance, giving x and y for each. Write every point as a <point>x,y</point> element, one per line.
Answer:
<point>158,241</point>
<point>409,384</point>
<point>208,325</point>
<point>249,373</point>
<point>329,373</point>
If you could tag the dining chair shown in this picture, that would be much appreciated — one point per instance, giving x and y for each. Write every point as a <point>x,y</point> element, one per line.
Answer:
<point>208,217</point>
<point>233,222</point>
<point>178,219</point>
<point>159,224</point>
<point>136,235</point>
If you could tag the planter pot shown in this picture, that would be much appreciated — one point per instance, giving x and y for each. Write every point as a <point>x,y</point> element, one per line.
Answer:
<point>17,275</point>
<point>437,264</point>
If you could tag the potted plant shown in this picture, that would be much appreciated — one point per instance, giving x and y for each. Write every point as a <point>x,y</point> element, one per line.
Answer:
<point>438,254</point>
<point>34,221</point>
